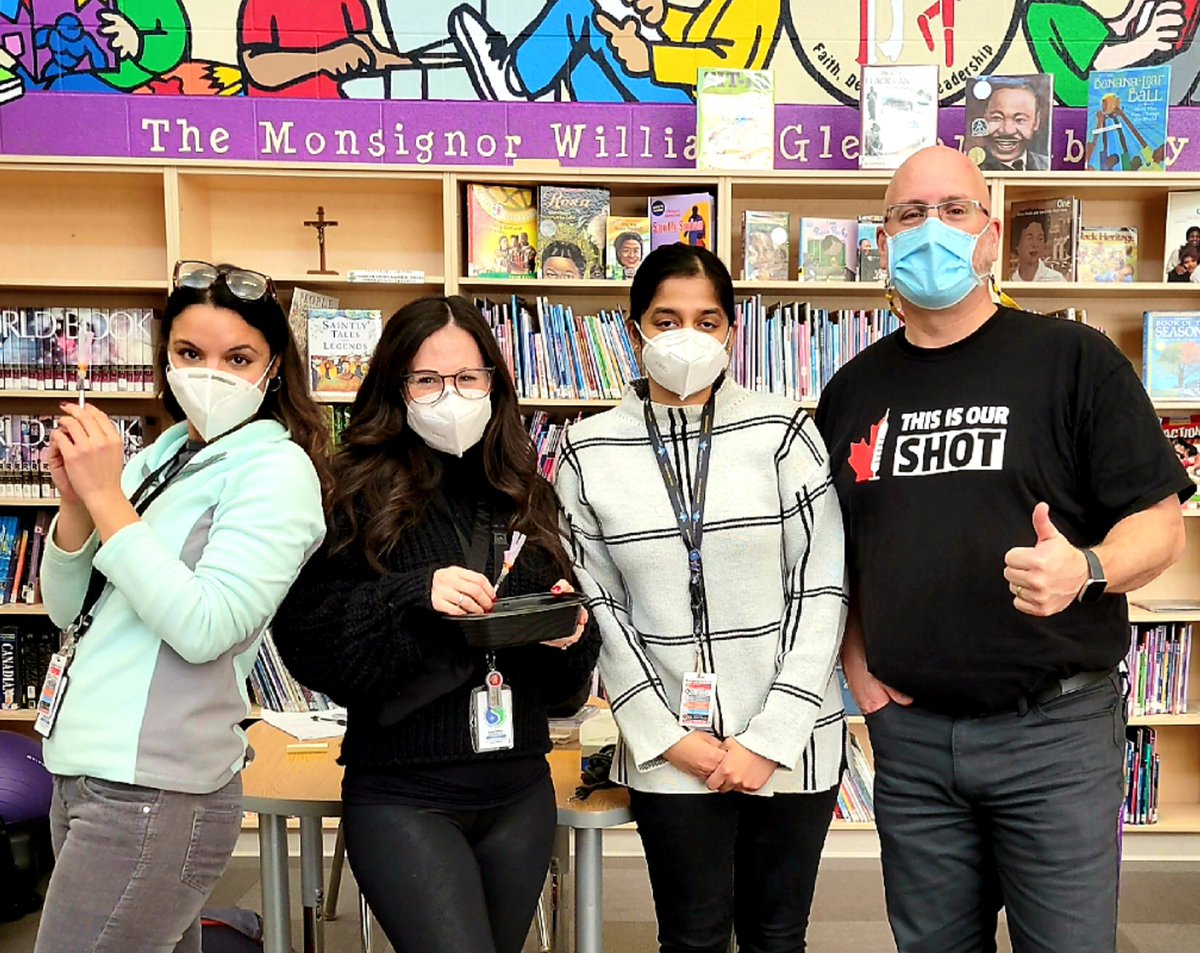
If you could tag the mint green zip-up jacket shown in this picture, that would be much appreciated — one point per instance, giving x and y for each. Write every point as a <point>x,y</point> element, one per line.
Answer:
<point>157,688</point>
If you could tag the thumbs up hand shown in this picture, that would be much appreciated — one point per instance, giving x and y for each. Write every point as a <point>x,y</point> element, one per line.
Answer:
<point>1045,578</point>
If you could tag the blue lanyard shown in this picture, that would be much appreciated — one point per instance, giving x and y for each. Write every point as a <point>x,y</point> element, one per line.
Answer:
<point>689,521</point>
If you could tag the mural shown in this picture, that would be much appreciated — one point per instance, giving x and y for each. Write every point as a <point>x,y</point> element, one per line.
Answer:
<point>606,51</point>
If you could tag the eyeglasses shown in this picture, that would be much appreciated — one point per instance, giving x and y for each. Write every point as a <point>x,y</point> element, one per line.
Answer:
<point>241,282</point>
<point>427,387</point>
<point>952,212</point>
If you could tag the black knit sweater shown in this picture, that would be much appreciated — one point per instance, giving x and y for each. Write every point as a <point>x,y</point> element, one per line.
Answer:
<point>362,638</point>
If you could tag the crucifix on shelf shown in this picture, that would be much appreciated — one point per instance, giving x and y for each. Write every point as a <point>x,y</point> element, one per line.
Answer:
<point>320,224</point>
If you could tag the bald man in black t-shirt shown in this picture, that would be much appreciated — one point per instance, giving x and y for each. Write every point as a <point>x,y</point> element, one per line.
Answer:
<point>1005,482</point>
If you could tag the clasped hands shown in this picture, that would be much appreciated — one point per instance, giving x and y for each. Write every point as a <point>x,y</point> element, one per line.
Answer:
<point>723,766</point>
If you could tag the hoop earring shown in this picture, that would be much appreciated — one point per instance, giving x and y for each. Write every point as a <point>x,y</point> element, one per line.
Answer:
<point>275,385</point>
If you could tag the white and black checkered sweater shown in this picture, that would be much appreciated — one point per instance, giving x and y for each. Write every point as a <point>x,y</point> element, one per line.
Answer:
<point>774,582</point>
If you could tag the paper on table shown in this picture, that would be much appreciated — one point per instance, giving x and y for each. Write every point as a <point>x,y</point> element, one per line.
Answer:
<point>308,725</point>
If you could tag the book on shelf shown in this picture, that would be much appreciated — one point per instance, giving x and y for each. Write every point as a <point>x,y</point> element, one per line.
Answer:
<point>555,354</point>
<point>304,301</point>
<point>793,349</point>
<point>1183,213</point>
<point>1141,776</point>
<point>546,435</point>
<point>1008,122</point>
<point>856,796</point>
<point>628,243</point>
<point>1126,120</point>
<point>1183,433</point>
<point>107,350</point>
<point>338,417</point>
<point>867,258</point>
<point>1159,665</point>
<point>898,107</point>
<point>22,539</point>
<point>1042,239</point>
<point>273,688</point>
<point>502,232</point>
<point>340,345</point>
<point>735,119</point>
<point>571,231</point>
<point>766,245</point>
<point>25,651</point>
<point>828,249</point>
<point>1171,354</point>
<point>688,219</point>
<point>24,439</point>
<point>1167,605</point>
<point>1107,255</point>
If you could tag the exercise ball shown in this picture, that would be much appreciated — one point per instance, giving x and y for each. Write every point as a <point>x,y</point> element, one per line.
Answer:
<point>25,785</point>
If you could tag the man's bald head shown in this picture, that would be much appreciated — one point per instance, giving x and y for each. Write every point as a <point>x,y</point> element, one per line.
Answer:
<point>936,174</point>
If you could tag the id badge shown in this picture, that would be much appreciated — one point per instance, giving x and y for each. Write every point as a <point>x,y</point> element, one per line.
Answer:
<point>492,724</point>
<point>53,689</point>
<point>698,701</point>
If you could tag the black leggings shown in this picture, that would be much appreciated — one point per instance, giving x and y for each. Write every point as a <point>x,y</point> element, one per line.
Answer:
<point>448,881</point>
<point>720,860</point>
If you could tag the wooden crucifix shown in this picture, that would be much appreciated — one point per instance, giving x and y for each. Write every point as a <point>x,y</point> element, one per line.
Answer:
<point>320,224</point>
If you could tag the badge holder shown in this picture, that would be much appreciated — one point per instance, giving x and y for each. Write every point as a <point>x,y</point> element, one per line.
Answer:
<point>492,712</point>
<point>698,698</point>
<point>54,687</point>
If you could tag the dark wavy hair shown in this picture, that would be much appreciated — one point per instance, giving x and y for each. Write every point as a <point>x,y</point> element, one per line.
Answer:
<point>385,473</point>
<point>289,401</point>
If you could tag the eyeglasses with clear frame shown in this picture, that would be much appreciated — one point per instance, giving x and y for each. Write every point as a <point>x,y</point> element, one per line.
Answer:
<point>241,282</point>
<point>956,212</point>
<point>427,387</point>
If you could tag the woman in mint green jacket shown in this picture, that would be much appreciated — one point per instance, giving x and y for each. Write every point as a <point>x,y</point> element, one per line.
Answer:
<point>169,568</point>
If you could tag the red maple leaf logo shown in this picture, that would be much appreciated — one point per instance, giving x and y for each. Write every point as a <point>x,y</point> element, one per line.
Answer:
<point>866,455</point>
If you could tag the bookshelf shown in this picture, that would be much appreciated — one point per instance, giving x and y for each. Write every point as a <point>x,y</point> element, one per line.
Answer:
<point>107,233</point>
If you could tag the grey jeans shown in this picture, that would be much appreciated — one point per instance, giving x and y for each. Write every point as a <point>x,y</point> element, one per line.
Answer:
<point>134,865</point>
<point>1019,811</point>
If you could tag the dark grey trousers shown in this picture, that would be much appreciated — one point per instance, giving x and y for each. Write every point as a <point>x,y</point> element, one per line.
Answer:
<point>1014,811</point>
<point>134,865</point>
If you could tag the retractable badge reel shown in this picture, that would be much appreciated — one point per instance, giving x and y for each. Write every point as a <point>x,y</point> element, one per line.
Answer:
<point>492,712</point>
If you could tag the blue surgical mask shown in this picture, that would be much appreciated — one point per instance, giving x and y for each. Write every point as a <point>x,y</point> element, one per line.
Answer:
<point>933,265</point>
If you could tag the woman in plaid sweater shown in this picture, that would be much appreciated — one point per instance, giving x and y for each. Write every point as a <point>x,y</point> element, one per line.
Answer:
<point>708,539</point>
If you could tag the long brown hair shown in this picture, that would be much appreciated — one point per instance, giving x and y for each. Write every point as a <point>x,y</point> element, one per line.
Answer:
<point>288,401</point>
<point>385,473</point>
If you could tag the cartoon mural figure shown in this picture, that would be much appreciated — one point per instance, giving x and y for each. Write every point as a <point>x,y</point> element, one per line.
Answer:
<point>616,50</point>
<point>1068,38</point>
<point>304,48</point>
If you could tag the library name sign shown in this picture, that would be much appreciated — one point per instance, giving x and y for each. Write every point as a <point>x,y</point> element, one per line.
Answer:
<point>425,133</point>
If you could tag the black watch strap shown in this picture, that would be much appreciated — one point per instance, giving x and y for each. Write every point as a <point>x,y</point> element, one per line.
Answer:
<point>1096,584</point>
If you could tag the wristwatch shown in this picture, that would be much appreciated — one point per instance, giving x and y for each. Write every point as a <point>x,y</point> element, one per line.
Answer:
<point>1096,584</point>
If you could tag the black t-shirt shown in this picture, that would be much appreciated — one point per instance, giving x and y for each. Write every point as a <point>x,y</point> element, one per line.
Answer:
<point>939,457</point>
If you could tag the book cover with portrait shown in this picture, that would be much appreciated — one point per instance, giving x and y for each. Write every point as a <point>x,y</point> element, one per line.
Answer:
<point>1042,238</point>
<point>1008,122</point>
<point>898,107</point>
<point>571,231</point>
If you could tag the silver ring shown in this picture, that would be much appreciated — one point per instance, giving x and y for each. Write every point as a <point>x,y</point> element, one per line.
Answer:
<point>462,597</point>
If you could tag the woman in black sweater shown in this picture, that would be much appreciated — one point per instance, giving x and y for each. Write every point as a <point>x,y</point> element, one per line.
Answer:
<point>449,835</point>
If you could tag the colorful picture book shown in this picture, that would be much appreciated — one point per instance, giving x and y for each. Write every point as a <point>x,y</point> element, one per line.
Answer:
<point>1108,255</point>
<point>1126,121</point>
<point>867,256</point>
<point>340,345</point>
<point>22,545</point>
<point>273,688</point>
<point>898,107</point>
<point>1171,354</point>
<point>502,229</point>
<point>1008,122</point>
<point>628,244</point>
<point>302,302</point>
<point>546,435</point>
<point>856,796</point>
<point>108,350</point>
<point>571,231</point>
<point>766,245</point>
<point>1141,776</point>
<point>828,249</point>
<point>1042,239</point>
<point>735,119</point>
<point>1183,213</point>
<point>1183,433</point>
<point>1159,664</point>
<point>682,218</point>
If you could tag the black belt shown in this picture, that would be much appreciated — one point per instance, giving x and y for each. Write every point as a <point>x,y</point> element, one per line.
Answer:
<point>1060,687</point>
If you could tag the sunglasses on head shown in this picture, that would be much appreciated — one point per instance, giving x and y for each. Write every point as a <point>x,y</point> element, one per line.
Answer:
<point>241,282</point>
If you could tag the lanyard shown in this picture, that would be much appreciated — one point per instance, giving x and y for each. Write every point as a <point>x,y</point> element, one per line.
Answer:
<point>474,549</point>
<point>141,499</point>
<point>690,521</point>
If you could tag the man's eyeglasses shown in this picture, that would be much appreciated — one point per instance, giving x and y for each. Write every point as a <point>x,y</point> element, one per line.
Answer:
<point>241,282</point>
<point>427,387</point>
<point>953,212</point>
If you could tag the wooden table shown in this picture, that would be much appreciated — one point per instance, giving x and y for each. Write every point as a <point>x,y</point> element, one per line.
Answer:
<point>279,785</point>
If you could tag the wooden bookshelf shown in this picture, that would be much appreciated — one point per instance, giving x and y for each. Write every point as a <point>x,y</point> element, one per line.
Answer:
<point>20,608</point>
<point>29,502</point>
<point>414,219</point>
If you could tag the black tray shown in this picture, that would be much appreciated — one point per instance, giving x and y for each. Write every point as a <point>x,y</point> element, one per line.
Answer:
<point>522,620</point>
